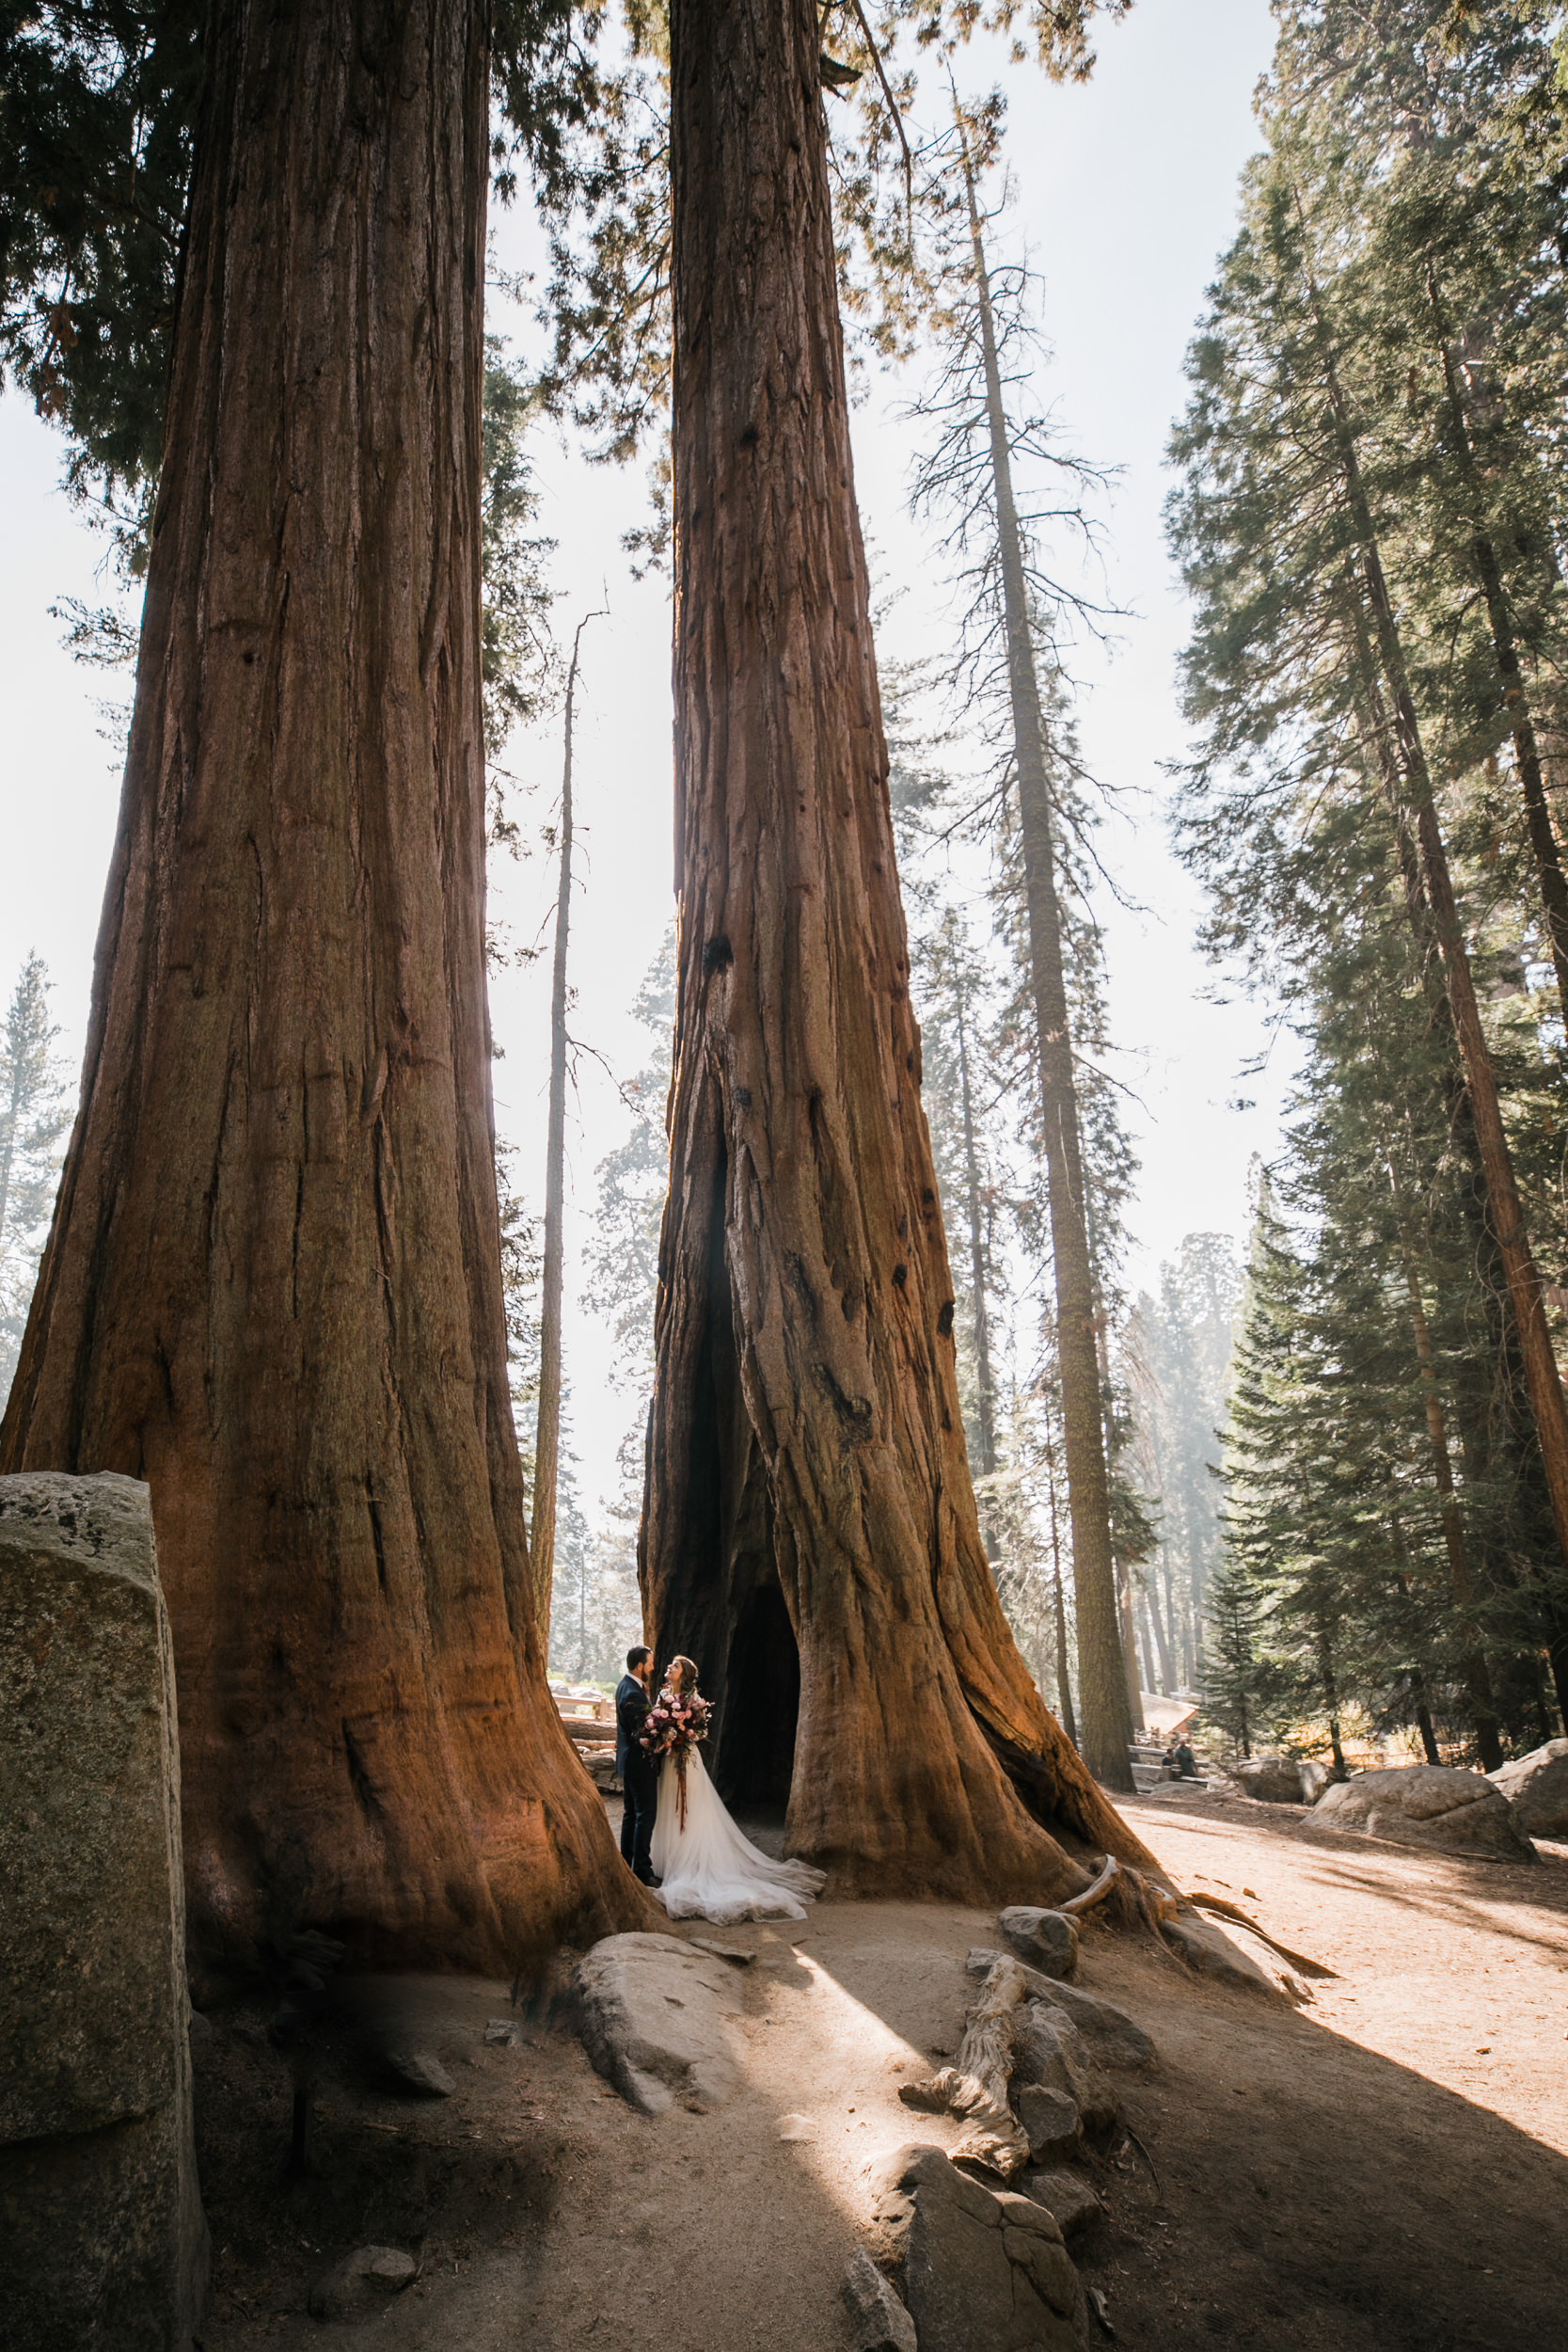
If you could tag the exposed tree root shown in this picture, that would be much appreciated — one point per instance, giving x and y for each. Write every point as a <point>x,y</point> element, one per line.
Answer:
<point>976,2087</point>
<point>1234,1911</point>
<point>1095,1893</point>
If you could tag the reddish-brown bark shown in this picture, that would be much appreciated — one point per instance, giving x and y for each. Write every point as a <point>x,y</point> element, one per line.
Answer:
<point>273,1286</point>
<point>811,1534</point>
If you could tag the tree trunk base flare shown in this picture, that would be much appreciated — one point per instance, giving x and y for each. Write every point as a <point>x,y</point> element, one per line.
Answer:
<point>810,1536</point>
<point>273,1285</point>
<point>976,2087</point>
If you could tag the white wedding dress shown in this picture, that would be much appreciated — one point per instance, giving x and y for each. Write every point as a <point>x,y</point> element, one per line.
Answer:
<point>709,1870</point>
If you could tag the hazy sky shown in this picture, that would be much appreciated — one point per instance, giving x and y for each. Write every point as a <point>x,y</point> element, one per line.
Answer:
<point>1127,193</point>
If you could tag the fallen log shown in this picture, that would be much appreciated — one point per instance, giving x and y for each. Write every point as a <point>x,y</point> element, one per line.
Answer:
<point>975,2087</point>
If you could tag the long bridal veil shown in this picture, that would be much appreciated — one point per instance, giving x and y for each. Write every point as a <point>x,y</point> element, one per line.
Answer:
<point>709,1870</point>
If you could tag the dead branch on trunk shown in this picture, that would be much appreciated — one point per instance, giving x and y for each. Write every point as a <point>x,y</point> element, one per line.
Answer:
<point>976,2087</point>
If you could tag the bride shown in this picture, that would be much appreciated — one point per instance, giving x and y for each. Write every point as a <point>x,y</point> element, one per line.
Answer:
<point>708,1870</point>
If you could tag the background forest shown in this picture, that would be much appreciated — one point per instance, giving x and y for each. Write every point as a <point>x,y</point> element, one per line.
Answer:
<point>1295,1331</point>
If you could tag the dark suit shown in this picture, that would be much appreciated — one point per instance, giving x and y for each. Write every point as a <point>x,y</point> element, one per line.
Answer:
<point>639,1781</point>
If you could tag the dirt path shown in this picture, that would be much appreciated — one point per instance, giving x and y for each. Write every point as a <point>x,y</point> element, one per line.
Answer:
<point>1382,2172</point>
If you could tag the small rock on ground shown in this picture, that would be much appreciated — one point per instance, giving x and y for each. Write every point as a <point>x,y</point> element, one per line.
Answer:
<point>1048,1939</point>
<point>1048,2049</point>
<point>1068,2197</point>
<point>881,2322</point>
<point>1113,2038</point>
<point>1051,2119</point>
<point>367,2276</point>
<point>1213,1953</point>
<point>418,2071</point>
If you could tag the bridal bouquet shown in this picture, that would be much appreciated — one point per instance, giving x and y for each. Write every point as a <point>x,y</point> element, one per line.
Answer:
<point>673,1727</point>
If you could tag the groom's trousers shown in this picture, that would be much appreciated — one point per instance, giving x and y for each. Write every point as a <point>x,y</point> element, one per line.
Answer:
<point>639,1802</point>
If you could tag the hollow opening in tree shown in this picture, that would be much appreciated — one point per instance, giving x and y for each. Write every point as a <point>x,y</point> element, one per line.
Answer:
<point>728,1609</point>
<point>755,1761</point>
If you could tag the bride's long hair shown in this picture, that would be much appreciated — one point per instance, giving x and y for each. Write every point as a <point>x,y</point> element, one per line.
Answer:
<point>687,1672</point>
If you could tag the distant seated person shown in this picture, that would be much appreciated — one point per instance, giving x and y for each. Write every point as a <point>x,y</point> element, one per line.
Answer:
<point>1168,1765</point>
<point>1186,1763</point>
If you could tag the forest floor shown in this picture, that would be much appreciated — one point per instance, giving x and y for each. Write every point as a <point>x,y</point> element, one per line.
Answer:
<point>1383,2170</point>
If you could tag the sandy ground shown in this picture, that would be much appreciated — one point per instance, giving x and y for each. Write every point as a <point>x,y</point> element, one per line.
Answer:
<point>1386,2170</point>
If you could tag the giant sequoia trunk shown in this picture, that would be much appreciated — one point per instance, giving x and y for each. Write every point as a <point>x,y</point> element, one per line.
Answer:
<point>810,1537</point>
<point>273,1286</point>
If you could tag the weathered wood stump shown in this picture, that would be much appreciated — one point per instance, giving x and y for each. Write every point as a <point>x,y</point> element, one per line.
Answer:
<point>976,2087</point>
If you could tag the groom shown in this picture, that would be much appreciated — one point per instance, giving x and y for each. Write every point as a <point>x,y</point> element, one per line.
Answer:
<point>634,1765</point>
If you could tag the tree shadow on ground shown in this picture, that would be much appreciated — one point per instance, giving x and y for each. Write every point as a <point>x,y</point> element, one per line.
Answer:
<point>1301,2192</point>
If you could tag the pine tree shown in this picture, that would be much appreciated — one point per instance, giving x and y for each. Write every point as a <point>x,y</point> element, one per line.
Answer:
<point>955,992</point>
<point>983,438</point>
<point>1234,1668</point>
<point>1367,476</point>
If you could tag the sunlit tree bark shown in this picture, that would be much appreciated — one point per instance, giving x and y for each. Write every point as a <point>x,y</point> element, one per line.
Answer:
<point>810,1527</point>
<point>273,1286</point>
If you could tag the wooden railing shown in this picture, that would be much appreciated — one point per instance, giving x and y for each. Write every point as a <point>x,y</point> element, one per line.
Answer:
<point>589,1731</point>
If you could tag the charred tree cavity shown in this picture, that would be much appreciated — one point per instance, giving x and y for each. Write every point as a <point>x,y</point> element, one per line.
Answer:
<point>806,1451</point>
<point>762,1701</point>
<point>723,1603</point>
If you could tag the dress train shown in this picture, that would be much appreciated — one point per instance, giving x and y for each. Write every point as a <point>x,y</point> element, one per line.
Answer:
<point>709,1870</point>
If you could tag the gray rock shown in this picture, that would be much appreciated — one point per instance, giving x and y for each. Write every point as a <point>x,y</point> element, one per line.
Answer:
<point>980,2273</point>
<point>881,2322</point>
<point>1278,1779</point>
<point>1432,1806</point>
<point>653,2013</point>
<point>102,2241</point>
<point>982,1957</point>
<point>1051,2119</point>
<point>1537,1788</point>
<point>366,2277</point>
<point>1048,1939</point>
<point>500,2033</point>
<point>1066,2197</point>
<point>416,2070</point>
<point>1214,1953</point>
<point>1048,2049</point>
<point>1113,2038</point>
